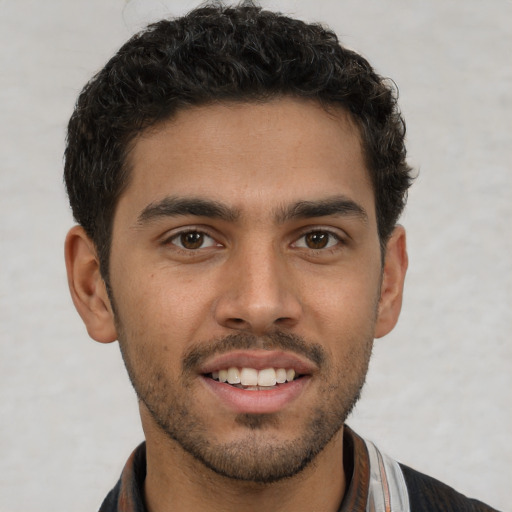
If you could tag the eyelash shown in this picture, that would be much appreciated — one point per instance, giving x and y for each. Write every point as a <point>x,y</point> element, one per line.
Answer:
<point>177,236</point>
<point>338,239</point>
<point>332,236</point>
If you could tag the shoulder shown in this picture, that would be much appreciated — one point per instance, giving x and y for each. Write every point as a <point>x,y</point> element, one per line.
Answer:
<point>128,493</point>
<point>110,503</point>
<point>429,495</point>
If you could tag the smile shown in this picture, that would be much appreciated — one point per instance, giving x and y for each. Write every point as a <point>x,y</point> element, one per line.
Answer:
<point>279,377</point>
<point>253,379</point>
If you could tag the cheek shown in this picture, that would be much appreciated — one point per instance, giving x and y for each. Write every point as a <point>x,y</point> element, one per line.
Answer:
<point>344,301</point>
<point>343,312</point>
<point>157,301</point>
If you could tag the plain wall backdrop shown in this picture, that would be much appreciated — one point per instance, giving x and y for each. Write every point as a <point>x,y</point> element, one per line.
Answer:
<point>438,396</point>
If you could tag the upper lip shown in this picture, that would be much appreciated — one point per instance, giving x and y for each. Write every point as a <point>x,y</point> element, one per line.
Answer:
<point>259,360</point>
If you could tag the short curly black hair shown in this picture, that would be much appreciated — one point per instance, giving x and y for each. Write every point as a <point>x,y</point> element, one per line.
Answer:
<point>224,53</point>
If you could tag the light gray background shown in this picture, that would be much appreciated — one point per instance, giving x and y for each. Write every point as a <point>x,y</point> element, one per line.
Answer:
<point>438,395</point>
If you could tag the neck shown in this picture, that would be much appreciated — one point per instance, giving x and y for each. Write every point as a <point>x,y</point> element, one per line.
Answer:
<point>177,481</point>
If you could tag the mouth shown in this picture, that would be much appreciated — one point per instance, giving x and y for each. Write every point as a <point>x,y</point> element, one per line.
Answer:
<point>251,379</point>
<point>257,381</point>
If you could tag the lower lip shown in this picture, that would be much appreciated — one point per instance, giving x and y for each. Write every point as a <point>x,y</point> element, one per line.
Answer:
<point>242,401</point>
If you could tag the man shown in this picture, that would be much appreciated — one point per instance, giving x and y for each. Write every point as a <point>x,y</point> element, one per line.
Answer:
<point>237,177</point>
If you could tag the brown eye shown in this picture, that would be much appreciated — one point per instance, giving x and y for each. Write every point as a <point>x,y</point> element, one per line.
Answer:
<point>193,240</point>
<point>317,240</point>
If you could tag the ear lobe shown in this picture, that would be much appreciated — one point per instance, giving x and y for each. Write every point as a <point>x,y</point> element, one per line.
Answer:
<point>391,294</point>
<point>87,287</point>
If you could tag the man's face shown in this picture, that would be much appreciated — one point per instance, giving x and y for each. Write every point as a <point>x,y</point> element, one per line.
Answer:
<point>246,241</point>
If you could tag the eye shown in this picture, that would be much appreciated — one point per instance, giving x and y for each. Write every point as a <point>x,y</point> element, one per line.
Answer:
<point>193,240</point>
<point>317,240</point>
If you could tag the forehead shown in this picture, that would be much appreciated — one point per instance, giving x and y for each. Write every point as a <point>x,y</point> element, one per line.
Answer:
<point>250,154</point>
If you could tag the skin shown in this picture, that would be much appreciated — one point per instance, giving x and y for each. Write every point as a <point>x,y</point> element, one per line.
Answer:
<point>258,268</point>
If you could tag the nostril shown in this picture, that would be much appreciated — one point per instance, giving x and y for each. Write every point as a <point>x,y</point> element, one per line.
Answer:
<point>285,321</point>
<point>238,324</point>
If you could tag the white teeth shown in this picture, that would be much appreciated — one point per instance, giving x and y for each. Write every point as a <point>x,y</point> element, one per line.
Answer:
<point>280,376</point>
<point>251,377</point>
<point>233,376</point>
<point>267,377</point>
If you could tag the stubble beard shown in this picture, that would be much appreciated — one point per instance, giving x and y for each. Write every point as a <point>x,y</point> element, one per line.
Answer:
<point>258,457</point>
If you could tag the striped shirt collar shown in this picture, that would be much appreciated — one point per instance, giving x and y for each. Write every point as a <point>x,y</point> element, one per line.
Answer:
<point>376,482</point>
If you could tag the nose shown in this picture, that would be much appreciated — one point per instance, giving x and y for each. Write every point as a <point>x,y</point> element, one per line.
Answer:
<point>259,293</point>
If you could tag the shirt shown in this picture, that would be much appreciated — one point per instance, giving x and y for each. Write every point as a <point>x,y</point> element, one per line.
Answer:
<point>377,484</point>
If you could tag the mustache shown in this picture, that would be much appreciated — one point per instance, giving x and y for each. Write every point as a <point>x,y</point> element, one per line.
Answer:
<point>276,340</point>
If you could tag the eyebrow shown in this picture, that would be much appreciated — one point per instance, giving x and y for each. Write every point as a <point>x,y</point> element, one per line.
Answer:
<point>333,206</point>
<point>198,207</point>
<point>176,206</point>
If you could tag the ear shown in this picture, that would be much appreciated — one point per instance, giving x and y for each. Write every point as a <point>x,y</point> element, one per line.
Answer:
<point>87,287</point>
<point>393,277</point>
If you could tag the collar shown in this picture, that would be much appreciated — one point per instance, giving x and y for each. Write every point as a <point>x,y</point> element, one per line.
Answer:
<point>363,490</point>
